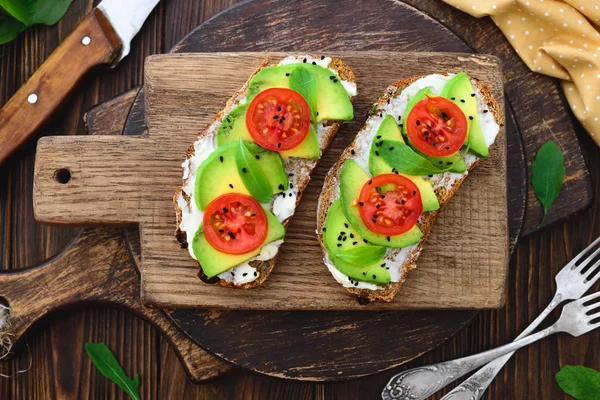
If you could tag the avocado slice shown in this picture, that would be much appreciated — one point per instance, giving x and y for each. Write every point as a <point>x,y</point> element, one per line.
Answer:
<point>218,174</point>
<point>333,102</point>
<point>214,262</point>
<point>308,148</point>
<point>233,127</point>
<point>460,91</point>
<point>340,236</point>
<point>388,130</point>
<point>454,160</point>
<point>352,179</point>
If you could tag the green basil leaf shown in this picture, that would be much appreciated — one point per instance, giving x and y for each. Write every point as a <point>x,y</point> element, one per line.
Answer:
<point>252,175</point>
<point>305,82</point>
<point>10,28</point>
<point>547,175</point>
<point>401,157</point>
<point>18,10</point>
<point>580,382</point>
<point>48,12</point>
<point>363,255</point>
<point>108,366</point>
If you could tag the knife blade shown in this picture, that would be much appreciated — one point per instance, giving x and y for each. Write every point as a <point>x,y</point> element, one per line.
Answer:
<point>103,37</point>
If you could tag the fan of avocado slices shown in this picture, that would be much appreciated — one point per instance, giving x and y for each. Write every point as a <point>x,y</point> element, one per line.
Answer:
<point>360,256</point>
<point>242,191</point>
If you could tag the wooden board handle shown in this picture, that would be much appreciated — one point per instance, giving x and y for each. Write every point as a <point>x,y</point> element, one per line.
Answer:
<point>93,43</point>
<point>77,182</point>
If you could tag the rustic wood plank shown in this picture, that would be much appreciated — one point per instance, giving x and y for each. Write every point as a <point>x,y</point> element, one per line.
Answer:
<point>124,180</point>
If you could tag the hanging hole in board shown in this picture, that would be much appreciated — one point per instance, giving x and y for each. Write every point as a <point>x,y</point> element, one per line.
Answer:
<point>62,175</point>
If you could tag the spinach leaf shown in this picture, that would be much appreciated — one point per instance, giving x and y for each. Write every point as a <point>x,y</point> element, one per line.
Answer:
<point>547,175</point>
<point>362,255</point>
<point>48,12</point>
<point>18,9</point>
<point>252,175</point>
<point>401,157</point>
<point>10,28</point>
<point>580,382</point>
<point>305,82</point>
<point>17,15</point>
<point>108,366</point>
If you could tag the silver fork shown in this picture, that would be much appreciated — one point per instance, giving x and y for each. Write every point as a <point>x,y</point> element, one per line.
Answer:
<point>419,383</point>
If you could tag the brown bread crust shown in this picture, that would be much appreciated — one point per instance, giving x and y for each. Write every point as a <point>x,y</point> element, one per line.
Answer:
<point>300,167</point>
<point>330,190</point>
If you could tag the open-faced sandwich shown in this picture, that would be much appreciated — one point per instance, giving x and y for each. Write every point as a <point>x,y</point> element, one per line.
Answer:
<point>379,201</point>
<point>245,174</point>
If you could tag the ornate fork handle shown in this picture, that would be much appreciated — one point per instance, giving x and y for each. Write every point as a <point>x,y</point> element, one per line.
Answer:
<point>474,387</point>
<point>420,383</point>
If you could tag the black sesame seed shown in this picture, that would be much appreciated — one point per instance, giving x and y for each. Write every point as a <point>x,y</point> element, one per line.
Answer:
<point>324,229</point>
<point>383,265</point>
<point>431,176</point>
<point>471,117</point>
<point>370,181</point>
<point>433,143</point>
<point>225,210</point>
<point>453,98</point>
<point>339,245</point>
<point>346,225</point>
<point>232,273</point>
<point>278,145</point>
<point>257,157</point>
<point>352,236</point>
<point>391,148</point>
<point>335,80</point>
<point>291,174</point>
<point>231,235</point>
<point>287,74</point>
<point>462,100</point>
<point>472,94</point>
<point>376,153</point>
<point>382,196</point>
<point>231,186</point>
<point>388,101</point>
<point>365,240</point>
<point>332,77</point>
<point>344,238</point>
<point>418,122</point>
<point>255,273</point>
<point>374,221</point>
<point>304,60</point>
<point>448,162</point>
<point>377,206</point>
<point>414,192</point>
<point>447,147</point>
<point>380,115</point>
<point>388,238</point>
<point>441,162</point>
<point>244,274</point>
<point>221,158</point>
<point>322,57</point>
<point>485,111</point>
<point>374,276</point>
<point>356,283</point>
<point>278,108</point>
<point>221,231</point>
<point>244,170</point>
<point>275,116</point>
<point>352,152</point>
<point>291,194</point>
<point>396,172</point>
<point>281,187</point>
<point>378,136</point>
<point>339,238</point>
<point>253,215</point>
<point>314,63</point>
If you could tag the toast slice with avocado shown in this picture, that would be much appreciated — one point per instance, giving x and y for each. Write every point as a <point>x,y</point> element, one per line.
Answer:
<point>245,173</point>
<point>380,200</point>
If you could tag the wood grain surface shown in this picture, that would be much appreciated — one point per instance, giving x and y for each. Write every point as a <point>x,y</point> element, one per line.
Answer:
<point>60,368</point>
<point>124,180</point>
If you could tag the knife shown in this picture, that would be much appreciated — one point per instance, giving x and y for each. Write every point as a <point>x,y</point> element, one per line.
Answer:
<point>102,38</point>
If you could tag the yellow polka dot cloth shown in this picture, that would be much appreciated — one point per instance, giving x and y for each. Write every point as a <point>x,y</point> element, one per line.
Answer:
<point>556,38</point>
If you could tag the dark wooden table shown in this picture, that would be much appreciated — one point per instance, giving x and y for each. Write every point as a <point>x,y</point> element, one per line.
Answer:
<point>59,365</point>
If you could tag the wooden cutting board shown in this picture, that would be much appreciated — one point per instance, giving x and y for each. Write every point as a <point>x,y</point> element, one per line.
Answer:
<point>130,180</point>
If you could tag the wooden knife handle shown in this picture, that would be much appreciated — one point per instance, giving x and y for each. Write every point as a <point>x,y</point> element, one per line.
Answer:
<point>94,42</point>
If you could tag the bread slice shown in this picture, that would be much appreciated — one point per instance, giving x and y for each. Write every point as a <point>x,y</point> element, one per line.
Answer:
<point>330,193</point>
<point>298,169</point>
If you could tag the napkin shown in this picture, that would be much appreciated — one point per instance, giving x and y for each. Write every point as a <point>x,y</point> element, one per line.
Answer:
<point>555,38</point>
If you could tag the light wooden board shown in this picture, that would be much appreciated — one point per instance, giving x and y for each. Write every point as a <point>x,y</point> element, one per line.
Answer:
<point>131,180</point>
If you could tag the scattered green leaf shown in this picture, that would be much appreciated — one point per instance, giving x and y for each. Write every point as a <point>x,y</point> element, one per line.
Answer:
<point>362,255</point>
<point>547,175</point>
<point>580,382</point>
<point>305,82</point>
<point>252,175</point>
<point>17,15</point>
<point>108,366</point>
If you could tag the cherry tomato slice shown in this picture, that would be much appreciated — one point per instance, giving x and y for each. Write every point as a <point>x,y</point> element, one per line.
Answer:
<point>436,126</point>
<point>235,223</point>
<point>390,204</point>
<point>278,119</point>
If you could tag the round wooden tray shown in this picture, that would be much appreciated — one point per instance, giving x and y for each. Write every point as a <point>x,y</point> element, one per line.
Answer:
<point>326,345</point>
